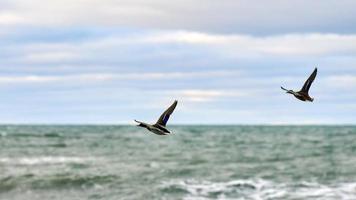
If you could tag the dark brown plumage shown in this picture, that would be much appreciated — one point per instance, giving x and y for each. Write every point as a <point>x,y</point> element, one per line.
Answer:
<point>303,94</point>
<point>159,127</point>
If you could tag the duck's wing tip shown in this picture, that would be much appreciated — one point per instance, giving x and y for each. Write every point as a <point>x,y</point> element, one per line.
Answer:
<point>309,81</point>
<point>315,71</point>
<point>163,119</point>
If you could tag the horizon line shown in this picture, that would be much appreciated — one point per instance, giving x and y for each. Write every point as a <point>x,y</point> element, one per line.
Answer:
<point>178,124</point>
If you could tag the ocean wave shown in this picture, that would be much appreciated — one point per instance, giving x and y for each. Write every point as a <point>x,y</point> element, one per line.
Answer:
<point>58,181</point>
<point>3,133</point>
<point>44,160</point>
<point>72,181</point>
<point>36,135</point>
<point>259,190</point>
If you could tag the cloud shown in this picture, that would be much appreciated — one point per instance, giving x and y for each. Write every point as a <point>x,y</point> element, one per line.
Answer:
<point>113,77</point>
<point>290,44</point>
<point>238,16</point>
<point>200,95</point>
<point>160,44</point>
<point>342,81</point>
<point>191,38</point>
<point>49,57</point>
<point>193,96</point>
<point>9,18</point>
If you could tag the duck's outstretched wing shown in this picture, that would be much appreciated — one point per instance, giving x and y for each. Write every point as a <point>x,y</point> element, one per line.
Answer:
<point>163,119</point>
<point>309,82</point>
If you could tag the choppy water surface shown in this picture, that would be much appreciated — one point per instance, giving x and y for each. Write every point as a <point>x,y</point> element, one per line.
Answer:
<point>196,162</point>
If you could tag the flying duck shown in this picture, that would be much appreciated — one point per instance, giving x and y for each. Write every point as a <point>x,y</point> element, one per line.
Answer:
<point>303,93</point>
<point>159,127</point>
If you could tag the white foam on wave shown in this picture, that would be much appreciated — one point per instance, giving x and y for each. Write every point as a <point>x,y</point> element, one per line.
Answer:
<point>346,191</point>
<point>45,160</point>
<point>262,189</point>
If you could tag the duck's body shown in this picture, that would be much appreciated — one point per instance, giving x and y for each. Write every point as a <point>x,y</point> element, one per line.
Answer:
<point>300,95</point>
<point>159,128</point>
<point>303,94</point>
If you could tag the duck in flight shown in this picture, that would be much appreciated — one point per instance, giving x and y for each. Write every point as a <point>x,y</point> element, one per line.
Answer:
<point>159,127</point>
<point>303,94</point>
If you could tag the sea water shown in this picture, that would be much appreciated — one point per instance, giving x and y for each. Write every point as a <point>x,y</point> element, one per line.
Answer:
<point>194,162</point>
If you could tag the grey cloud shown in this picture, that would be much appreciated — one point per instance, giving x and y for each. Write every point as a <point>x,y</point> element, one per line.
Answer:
<point>242,16</point>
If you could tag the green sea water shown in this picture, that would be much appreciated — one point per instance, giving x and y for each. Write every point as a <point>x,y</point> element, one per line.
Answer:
<point>195,162</point>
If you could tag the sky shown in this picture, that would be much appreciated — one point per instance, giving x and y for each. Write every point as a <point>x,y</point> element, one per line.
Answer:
<point>112,61</point>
